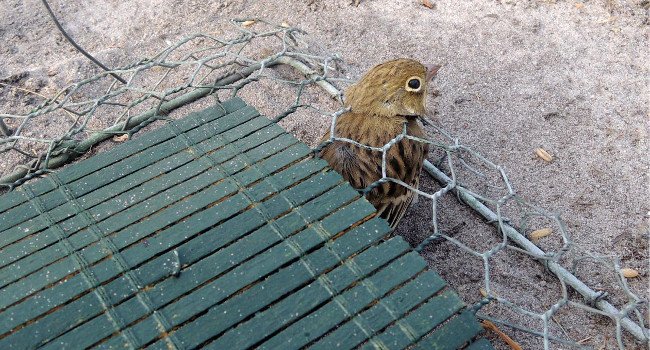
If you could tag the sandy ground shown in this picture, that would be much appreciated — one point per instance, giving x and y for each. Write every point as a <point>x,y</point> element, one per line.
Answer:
<point>568,76</point>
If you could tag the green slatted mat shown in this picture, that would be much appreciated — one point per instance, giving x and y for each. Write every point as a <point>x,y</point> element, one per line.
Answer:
<point>218,231</point>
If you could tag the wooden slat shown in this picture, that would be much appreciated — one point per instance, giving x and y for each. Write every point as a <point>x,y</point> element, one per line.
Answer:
<point>9,254</point>
<point>418,323</point>
<point>453,334</point>
<point>83,238</point>
<point>395,306</point>
<point>217,321</point>
<point>480,344</point>
<point>107,269</point>
<point>12,199</point>
<point>26,246</point>
<point>210,297</point>
<point>368,292</point>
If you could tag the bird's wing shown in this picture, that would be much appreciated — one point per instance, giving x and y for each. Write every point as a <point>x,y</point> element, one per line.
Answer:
<point>394,209</point>
<point>349,161</point>
<point>405,163</point>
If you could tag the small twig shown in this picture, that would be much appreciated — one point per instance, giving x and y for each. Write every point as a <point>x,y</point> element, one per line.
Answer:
<point>311,74</point>
<point>561,328</point>
<point>492,327</point>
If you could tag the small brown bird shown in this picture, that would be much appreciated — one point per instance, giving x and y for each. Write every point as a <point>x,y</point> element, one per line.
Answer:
<point>387,98</point>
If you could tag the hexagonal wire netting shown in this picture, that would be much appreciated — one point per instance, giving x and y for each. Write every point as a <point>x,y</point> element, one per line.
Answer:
<point>269,65</point>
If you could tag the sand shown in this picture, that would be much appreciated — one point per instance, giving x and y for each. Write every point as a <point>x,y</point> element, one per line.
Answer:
<point>570,77</point>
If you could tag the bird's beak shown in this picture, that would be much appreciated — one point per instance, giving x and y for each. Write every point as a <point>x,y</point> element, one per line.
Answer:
<point>432,70</point>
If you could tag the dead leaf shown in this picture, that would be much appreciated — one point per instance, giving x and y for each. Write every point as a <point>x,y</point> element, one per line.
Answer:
<point>629,273</point>
<point>542,153</point>
<point>542,232</point>
<point>121,138</point>
<point>484,293</point>
<point>428,4</point>
<point>579,5</point>
<point>247,24</point>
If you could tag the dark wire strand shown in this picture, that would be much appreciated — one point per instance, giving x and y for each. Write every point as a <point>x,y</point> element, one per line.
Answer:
<point>89,56</point>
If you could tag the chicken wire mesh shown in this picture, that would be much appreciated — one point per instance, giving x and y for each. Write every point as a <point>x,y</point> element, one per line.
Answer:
<point>283,74</point>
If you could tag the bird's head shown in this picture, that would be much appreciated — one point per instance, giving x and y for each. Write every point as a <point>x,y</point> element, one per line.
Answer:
<point>393,88</point>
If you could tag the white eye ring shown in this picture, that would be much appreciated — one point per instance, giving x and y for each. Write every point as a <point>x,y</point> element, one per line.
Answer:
<point>413,84</point>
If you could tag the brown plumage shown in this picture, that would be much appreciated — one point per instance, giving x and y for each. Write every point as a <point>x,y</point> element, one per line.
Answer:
<point>389,96</point>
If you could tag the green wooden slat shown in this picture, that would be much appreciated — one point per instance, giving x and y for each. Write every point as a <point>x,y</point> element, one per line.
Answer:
<point>84,336</point>
<point>60,293</point>
<point>223,316</point>
<point>107,269</point>
<point>351,302</point>
<point>153,269</point>
<point>418,323</point>
<point>132,183</point>
<point>239,166</point>
<point>119,154</point>
<point>23,268</point>
<point>43,257</point>
<point>304,300</point>
<point>263,263</point>
<point>208,295</point>
<point>356,330</point>
<point>260,136</point>
<point>286,177</point>
<point>226,165</point>
<point>125,167</point>
<point>128,166</point>
<point>453,334</point>
<point>62,268</point>
<point>101,160</point>
<point>94,253</point>
<point>480,344</point>
<point>26,215</point>
<point>19,232</point>
<point>204,220</point>
<point>118,288</point>
<point>120,221</point>
<point>12,199</point>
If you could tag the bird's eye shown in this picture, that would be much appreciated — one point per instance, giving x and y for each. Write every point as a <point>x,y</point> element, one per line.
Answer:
<point>413,84</point>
